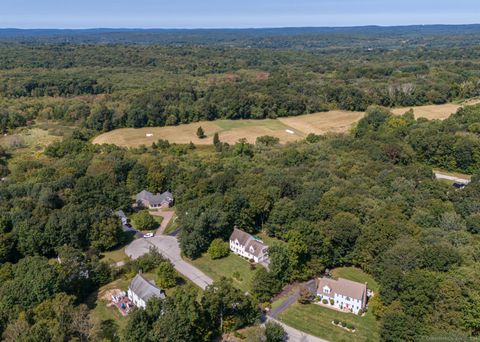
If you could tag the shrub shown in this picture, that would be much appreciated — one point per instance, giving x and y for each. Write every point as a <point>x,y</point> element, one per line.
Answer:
<point>218,249</point>
<point>350,326</point>
<point>306,296</point>
<point>336,321</point>
<point>324,301</point>
<point>332,302</point>
<point>344,324</point>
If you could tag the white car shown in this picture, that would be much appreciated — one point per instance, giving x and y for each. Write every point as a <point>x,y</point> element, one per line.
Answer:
<point>148,235</point>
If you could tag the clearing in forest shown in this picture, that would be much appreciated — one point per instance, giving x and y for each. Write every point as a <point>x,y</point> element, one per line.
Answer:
<point>287,129</point>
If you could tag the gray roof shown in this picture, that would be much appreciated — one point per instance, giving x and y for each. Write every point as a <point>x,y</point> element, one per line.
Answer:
<point>144,288</point>
<point>120,214</point>
<point>344,287</point>
<point>154,199</point>
<point>248,241</point>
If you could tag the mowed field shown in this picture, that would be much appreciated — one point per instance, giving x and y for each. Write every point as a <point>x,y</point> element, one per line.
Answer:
<point>286,129</point>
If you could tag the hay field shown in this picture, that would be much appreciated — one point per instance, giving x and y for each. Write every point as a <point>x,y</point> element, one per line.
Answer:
<point>231,131</point>
<point>324,122</point>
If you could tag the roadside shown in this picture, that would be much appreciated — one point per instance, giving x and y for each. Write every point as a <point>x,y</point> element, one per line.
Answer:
<point>168,246</point>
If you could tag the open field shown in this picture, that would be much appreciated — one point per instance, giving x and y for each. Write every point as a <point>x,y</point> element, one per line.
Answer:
<point>225,267</point>
<point>317,320</point>
<point>287,129</point>
<point>229,131</point>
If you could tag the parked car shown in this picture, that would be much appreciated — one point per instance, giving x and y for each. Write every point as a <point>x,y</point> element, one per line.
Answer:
<point>148,235</point>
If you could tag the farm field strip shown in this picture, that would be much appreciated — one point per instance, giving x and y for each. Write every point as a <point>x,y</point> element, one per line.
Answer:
<point>288,129</point>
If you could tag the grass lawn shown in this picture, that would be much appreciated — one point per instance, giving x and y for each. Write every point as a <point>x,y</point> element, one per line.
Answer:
<point>226,267</point>
<point>356,274</point>
<point>116,255</point>
<point>316,320</point>
<point>171,226</point>
<point>99,309</point>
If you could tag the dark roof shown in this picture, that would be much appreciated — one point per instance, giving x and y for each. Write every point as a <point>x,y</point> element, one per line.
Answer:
<point>344,287</point>
<point>248,241</point>
<point>154,199</point>
<point>144,288</point>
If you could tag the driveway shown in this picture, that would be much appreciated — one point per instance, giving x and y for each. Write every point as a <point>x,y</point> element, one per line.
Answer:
<point>310,285</point>
<point>168,246</point>
<point>170,249</point>
<point>167,217</point>
<point>295,335</point>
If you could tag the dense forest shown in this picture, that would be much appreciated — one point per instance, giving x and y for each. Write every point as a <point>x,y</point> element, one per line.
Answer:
<point>366,198</point>
<point>105,86</point>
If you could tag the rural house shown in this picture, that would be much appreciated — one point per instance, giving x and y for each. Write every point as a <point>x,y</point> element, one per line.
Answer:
<point>141,290</point>
<point>146,199</point>
<point>246,245</point>
<point>343,294</point>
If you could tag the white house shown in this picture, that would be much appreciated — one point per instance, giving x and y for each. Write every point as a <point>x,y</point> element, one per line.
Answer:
<point>343,294</point>
<point>140,291</point>
<point>246,245</point>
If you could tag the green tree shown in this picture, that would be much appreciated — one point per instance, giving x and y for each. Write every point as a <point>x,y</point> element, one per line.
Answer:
<point>201,133</point>
<point>106,234</point>
<point>218,249</point>
<point>166,275</point>
<point>144,221</point>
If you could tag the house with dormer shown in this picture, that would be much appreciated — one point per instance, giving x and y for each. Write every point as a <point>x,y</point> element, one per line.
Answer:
<point>343,294</point>
<point>248,246</point>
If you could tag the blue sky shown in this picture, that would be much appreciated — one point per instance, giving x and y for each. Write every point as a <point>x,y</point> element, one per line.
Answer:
<point>233,13</point>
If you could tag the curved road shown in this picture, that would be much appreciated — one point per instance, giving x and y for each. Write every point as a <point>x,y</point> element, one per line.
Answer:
<point>168,246</point>
<point>170,249</point>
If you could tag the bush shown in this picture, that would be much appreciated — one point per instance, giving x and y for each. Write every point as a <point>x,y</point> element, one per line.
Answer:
<point>306,296</point>
<point>344,324</point>
<point>350,326</point>
<point>144,221</point>
<point>324,301</point>
<point>274,332</point>
<point>332,302</point>
<point>336,321</point>
<point>218,249</point>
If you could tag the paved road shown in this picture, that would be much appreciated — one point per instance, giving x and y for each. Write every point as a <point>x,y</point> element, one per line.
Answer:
<point>168,246</point>
<point>295,335</point>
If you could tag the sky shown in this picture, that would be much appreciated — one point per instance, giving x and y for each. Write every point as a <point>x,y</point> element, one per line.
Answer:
<point>233,13</point>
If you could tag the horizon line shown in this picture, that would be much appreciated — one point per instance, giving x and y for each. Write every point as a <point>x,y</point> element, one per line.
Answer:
<point>229,27</point>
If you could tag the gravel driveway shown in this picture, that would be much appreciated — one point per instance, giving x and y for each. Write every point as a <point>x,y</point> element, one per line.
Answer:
<point>168,246</point>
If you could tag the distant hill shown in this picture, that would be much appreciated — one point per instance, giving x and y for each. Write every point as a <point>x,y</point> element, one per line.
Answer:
<point>290,37</point>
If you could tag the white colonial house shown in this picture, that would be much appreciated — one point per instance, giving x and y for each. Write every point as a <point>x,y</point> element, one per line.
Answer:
<point>141,290</point>
<point>247,246</point>
<point>343,294</point>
